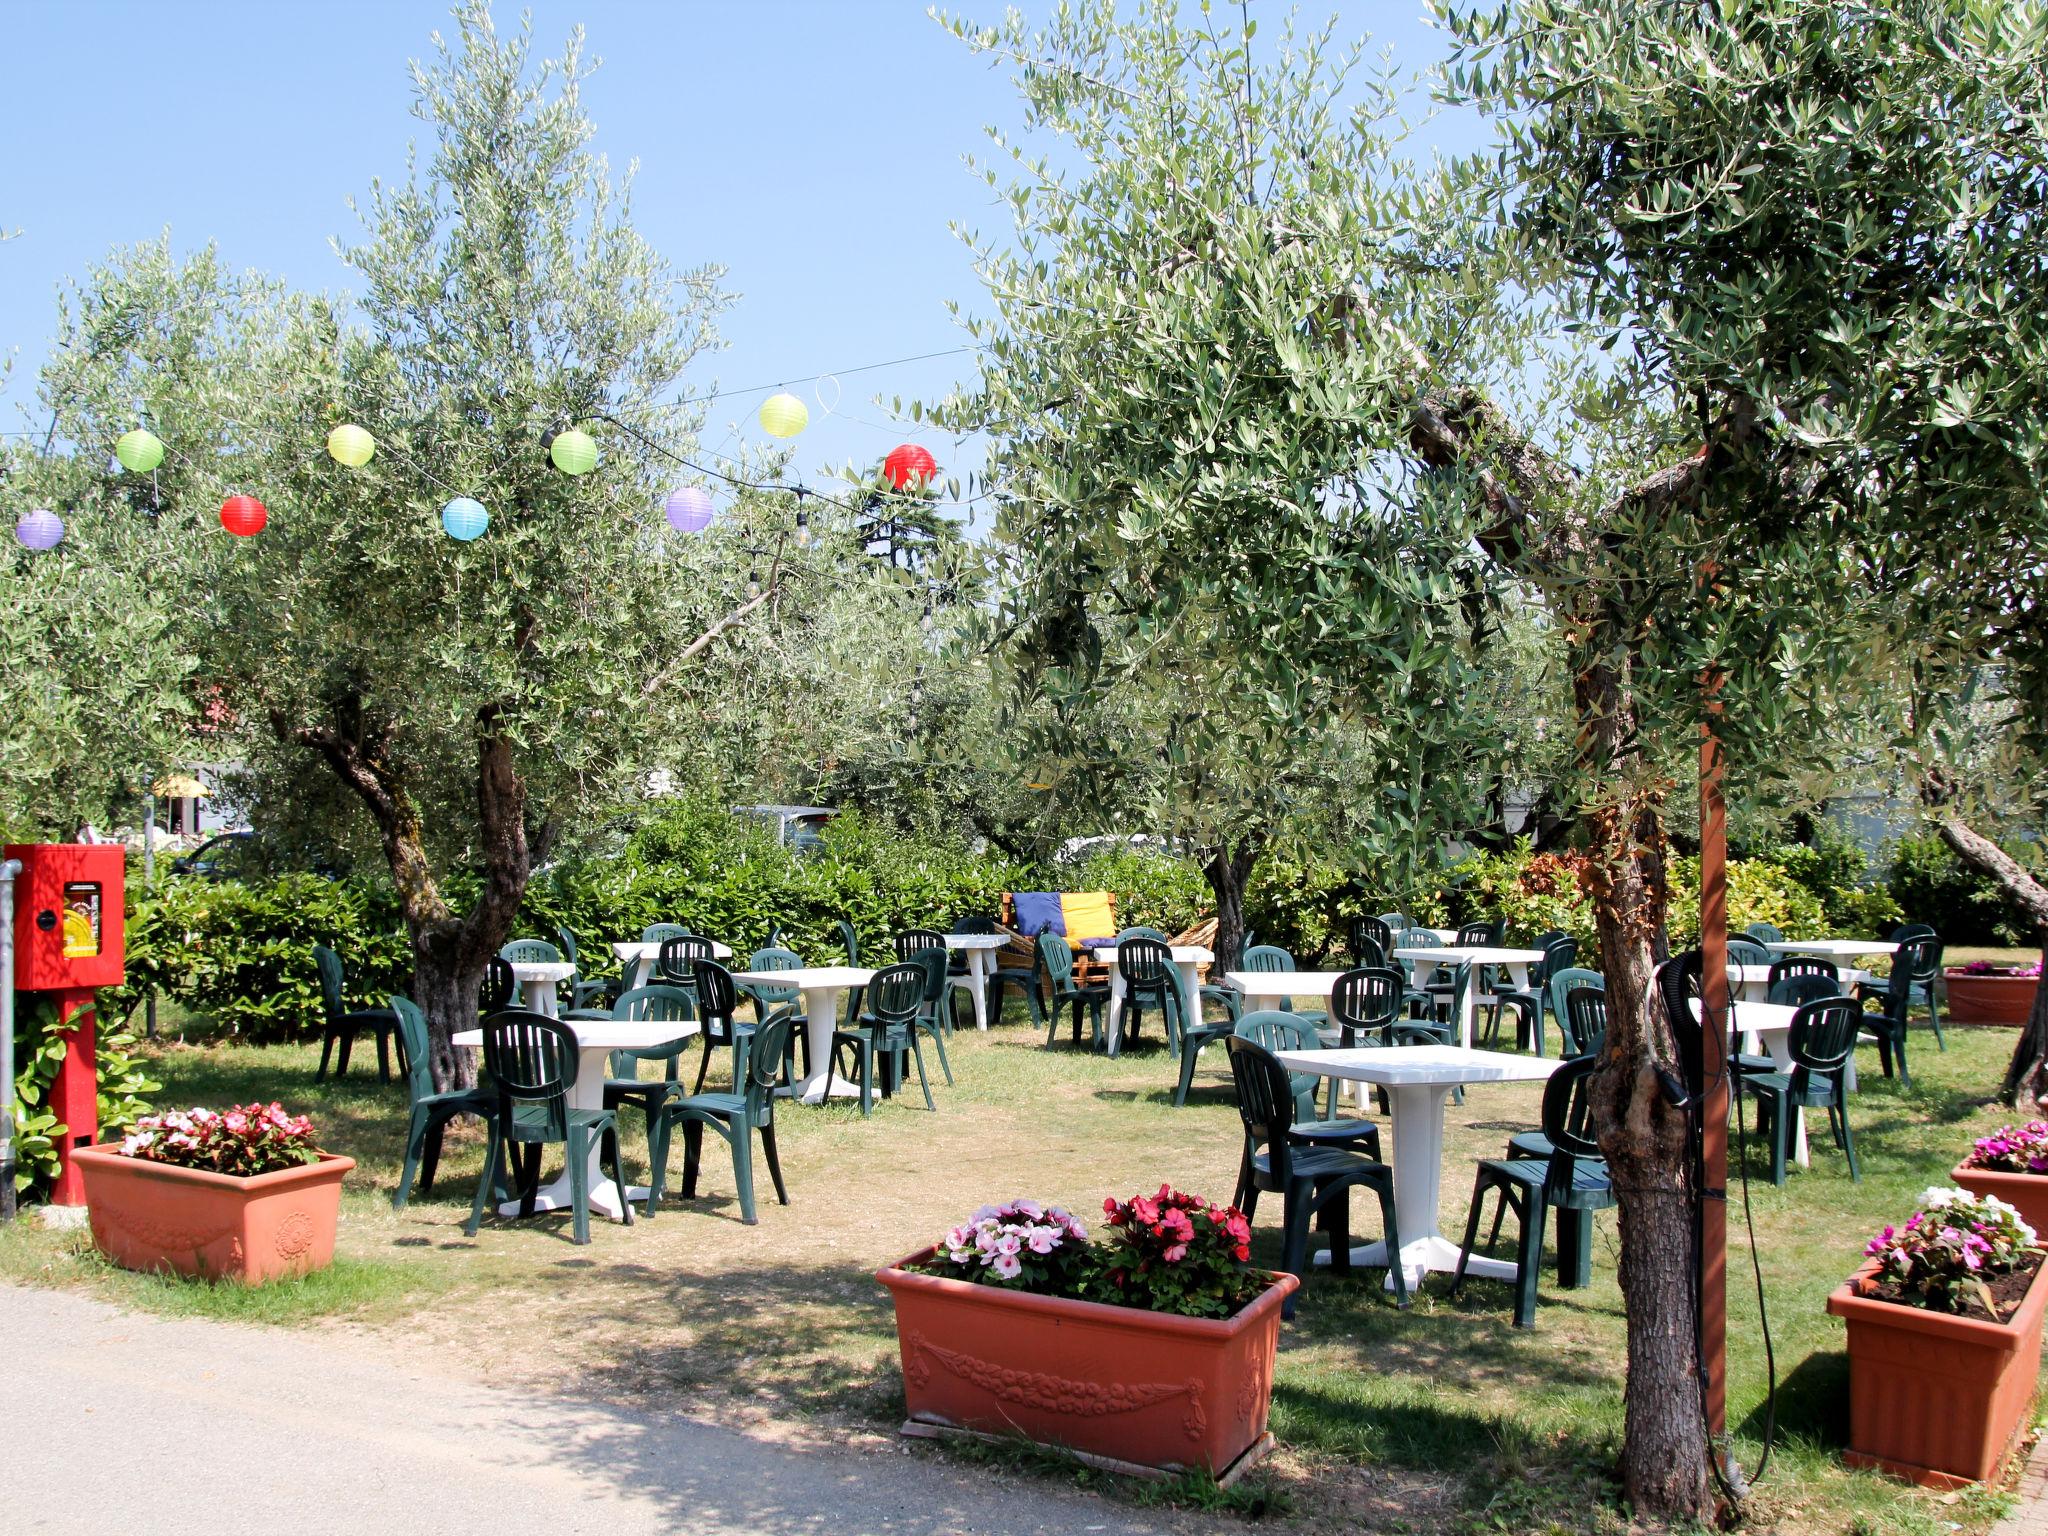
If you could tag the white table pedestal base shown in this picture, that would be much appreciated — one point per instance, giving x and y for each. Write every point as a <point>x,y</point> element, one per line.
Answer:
<point>821,1018</point>
<point>1418,1258</point>
<point>1417,1111</point>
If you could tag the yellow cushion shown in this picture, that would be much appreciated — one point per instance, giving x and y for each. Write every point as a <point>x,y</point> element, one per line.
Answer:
<point>1088,915</point>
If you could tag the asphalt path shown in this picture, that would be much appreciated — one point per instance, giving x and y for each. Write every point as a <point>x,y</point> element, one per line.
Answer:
<point>137,1423</point>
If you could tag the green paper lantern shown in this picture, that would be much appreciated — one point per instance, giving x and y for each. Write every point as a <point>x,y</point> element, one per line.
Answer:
<point>139,451</point>
<point>573,452</point>
<point>351,445</point>
<point>784,416</point>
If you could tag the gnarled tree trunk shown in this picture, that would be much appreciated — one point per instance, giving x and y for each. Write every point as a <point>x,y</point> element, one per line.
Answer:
<point>1229,869</point>
<point>2026,1076</point>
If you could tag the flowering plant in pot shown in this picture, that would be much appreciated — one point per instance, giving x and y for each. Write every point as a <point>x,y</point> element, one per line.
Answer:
<point>241,1193</point>
<point>1944,1325</point>
<point>1151,1348</point>
<point>2011,1163</point>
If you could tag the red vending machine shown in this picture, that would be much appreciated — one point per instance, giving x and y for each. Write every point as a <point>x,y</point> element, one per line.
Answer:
<point>68,903</point>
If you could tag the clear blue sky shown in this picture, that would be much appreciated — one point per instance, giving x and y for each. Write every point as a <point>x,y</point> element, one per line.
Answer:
<point>812,146</point>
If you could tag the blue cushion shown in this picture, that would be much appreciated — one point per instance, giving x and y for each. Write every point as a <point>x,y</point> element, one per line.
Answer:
<point>1037,912</point>
<point>1108,943</point>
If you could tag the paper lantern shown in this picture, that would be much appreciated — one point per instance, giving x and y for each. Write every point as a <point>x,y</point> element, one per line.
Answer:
<point>908,462</point>
<point>40,529</point>
<point>243,516</point>
<point>689,510</point>
<point>351,445</point>
<point>784,416</point>
<point>139,451</point>
<point>465,519</point>
<point>573,452</point>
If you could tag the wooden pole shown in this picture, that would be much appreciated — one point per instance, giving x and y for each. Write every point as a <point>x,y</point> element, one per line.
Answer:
<point>1713,1276</point>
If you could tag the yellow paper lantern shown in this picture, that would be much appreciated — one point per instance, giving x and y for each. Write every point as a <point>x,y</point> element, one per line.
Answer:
<point>784,416</point>
<point>351,445</point>
<point>573,452</point>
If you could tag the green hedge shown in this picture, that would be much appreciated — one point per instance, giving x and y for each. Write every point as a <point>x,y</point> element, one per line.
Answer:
<point>124,1086</point>
<point>1931,885</point>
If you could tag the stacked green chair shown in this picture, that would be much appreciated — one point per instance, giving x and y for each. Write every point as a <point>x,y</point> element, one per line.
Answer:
<point>1823,1039</point>
<point>532,1062</point>
<point>736,1116</point>
<point>1895,1003</point>
<point>339,1023</point>
<point>1314,1180</point>
<point>1926,973</point>
<point>1062,991</point>
<point>881,1035</point>
<point>1572,1178</point>
<point>938,995</point>
<point>431,1112</point>
<point>623,1082</point>
<point>718,1004</point>
<point>590,997</point>
<point>1288,1032</point>
<point>1558,984</point>
<point>1151,980</point>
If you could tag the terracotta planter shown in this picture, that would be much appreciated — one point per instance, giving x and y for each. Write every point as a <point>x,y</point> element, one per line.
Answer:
<point>2026,1193</point>
<point>1989,999</point>
<point>1142,1388</point>
<point>1935,1398</point>
<point>151,1216</point>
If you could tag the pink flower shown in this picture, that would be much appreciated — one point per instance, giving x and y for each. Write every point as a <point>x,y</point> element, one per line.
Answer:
<point>1176,1253</point>
<point>1008,1265</point>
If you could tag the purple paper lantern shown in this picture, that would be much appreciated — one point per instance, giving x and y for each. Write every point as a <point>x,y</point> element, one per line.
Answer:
<point>689,510</point>
<point>40,529</point>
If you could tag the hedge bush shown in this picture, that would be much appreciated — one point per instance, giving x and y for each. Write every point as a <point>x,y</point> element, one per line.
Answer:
<point>124,1086</point>
<point>1931,885</point>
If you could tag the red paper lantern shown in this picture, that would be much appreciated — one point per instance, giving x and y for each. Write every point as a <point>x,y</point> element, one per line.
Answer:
<point>243,515</point>
<point>908,462</point>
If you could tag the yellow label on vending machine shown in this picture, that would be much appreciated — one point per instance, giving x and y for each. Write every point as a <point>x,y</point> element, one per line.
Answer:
<point>81,919</point>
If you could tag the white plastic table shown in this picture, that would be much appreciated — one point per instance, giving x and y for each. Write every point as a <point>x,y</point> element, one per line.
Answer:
<point>980,949</point>
<point>1187,959</point>
<point>537,979</point>
<point>1418,1078</point>
<point>1833,949</point>
<point>595,1040</point>
<point>1268,989</point>
<point>1422,961</point>
<point>824,987</point>
<point>641,958</point>
<point>1752,983</point>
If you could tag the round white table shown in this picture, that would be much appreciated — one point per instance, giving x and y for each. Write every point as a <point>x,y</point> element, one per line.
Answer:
<point>641,957</point>
<point>823,987</point>
<point>596,1039</point>
<point>980,949</point>
<point>1421,962</point>
<point>1188,959</point>
<point>537,981</point>
<point>1418,1079</point>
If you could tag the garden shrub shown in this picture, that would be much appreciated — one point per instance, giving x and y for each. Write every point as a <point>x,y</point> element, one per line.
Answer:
<point>1531,893</point>
<point>1931,885</point>
<point>1151,890</point>
<point>1836,871</point>
<point>1759,891</point>
<point>124,1086</point>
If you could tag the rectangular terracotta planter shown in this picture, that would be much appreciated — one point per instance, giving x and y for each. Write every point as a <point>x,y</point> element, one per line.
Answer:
<point>1935,1398</point>
<point>2026,1193</point>
<point>152,1216</point>
<point>1145,1388</point>
<point>1989,999</point>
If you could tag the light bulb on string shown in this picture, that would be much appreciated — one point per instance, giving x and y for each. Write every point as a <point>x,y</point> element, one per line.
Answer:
<point>753,585</point>
<point>803,527</point>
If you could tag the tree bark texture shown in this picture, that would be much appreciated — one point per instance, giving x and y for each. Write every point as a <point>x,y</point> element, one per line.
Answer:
<point>1229,869</point>
<point>2026,1077</point>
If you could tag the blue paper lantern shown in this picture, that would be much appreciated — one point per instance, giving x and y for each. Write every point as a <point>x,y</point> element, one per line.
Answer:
<point>465,519</point>
<point>689,510</point>
<point>40,529</point>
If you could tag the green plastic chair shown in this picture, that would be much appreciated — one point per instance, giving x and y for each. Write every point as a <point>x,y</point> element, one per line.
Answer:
<point>1822,1040</point>
<point>938,996</point>
<point>1895,1004</point>
<point>736,1116</point>
<point>1557,985</point>
<point>1747,951</point>
<point>770,1000</point>
<point>1313,1180</point>
<point>1765,933</point>
<point>1150,979</point>
<point>1196,1036</point>
<point>1063,991</point>
<point>1560,952</point>
<point>590,997</point>
<point>431,1112</point>
<point>339,1023</point>
<point>1926,974</point>
<point>532,1061</point>
<point>883,1033</point>
<point>1289,1032</point>
<point>1573,1178</point>
<point>623,1082</point>
<point>528,952</point>
<point>1372,940</point>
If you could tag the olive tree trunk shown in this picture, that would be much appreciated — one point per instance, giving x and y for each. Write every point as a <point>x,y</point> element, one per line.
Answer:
<point>1228,867</point>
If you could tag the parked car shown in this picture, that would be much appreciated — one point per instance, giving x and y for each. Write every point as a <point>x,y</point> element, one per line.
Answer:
<point>224,856</point>
<point>801,827</point>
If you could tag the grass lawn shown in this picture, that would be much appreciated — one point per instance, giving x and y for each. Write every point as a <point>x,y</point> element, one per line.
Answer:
<point>1442,1418</point>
